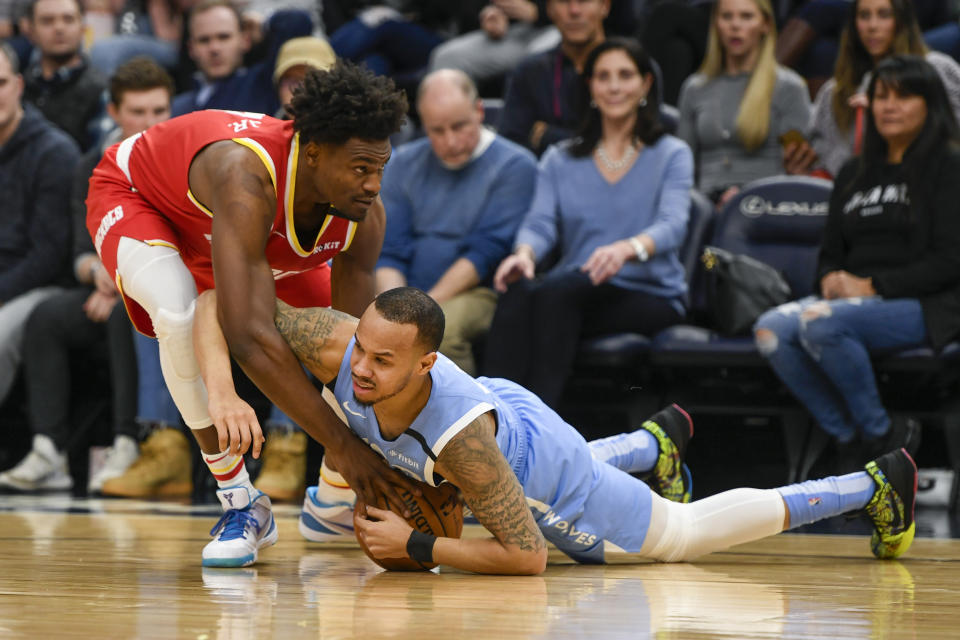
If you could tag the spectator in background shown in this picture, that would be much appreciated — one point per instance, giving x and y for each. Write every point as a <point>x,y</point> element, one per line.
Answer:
<point>150,28</point>
<point>540,106</point>
<point>61,83</point>
<point>397,40</point>
<point>808,41</point>
<point>455,201</point>
<point>87,317</point>
<point>266,8</point>
<point>509,31</point>
<point>889,270</point>
<point>13,25</point>
<point>675,34</point>
<point>296,57</point>
<point>875,30</point>
<point>733,110</point>
<point>217,43</point>
<point>37,161</point>
<point>615,202</point>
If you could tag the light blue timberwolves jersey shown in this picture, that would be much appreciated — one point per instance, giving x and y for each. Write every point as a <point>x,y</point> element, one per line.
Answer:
<point>456,400</point>
<point>583,506</point>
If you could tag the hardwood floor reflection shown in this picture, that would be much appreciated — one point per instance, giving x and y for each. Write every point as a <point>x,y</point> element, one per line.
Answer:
<point>136,575</point>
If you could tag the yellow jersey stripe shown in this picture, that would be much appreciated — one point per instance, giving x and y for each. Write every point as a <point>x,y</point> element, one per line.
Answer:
<point>197,204</point>
<point>265,158</point>
<point>351,231</point>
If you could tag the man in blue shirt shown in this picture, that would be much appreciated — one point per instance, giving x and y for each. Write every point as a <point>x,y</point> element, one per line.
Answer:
<point>454,202</point>
<point>217,44</point>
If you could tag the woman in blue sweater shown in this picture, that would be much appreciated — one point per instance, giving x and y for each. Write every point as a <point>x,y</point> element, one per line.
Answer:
<point>613,205</point>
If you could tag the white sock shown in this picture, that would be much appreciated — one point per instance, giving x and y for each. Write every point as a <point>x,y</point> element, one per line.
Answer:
<point>229,470</point>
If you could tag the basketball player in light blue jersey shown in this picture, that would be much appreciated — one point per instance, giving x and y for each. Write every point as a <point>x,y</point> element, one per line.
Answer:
<point>528,476</point>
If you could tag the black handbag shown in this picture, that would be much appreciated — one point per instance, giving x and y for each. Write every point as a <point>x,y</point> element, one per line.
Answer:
<point>739,288</point>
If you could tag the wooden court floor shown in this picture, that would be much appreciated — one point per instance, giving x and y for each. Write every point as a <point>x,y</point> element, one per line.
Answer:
<point>120,569</point>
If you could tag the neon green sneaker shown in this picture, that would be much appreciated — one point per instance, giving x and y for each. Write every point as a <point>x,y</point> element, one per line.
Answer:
<point>673,428</point>
<point>892,504</point>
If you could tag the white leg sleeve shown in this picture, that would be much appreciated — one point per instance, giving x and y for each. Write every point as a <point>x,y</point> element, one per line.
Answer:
<point>681,532</point>
<point>156,277</point>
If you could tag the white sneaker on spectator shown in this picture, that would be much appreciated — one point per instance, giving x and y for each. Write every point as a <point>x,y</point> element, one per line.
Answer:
<point>247,525</point>
<point>44,469</point>
<point>120,456</point>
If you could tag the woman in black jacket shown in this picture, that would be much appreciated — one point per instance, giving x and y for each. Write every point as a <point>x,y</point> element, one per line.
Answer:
<point>889,266</point>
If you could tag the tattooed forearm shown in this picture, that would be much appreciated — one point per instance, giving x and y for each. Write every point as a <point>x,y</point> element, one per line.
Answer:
<point>489,486</point>
<point>308,331</point>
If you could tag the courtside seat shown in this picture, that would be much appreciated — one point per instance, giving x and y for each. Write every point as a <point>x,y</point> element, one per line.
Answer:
<point>629,350</point>
<point>920,360</point>
<point>605,370</point>
<point>616,350</point>
<point>924,384</point>
<point>776,220</point>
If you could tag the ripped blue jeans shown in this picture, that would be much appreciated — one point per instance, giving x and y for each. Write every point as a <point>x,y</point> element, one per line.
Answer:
<point>821,350</point>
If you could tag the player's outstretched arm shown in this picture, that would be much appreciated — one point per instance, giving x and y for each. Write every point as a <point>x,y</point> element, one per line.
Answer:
<point>473,462</point>
<point>353,278</point>
<point>318,336</point>
<point>235,185</point>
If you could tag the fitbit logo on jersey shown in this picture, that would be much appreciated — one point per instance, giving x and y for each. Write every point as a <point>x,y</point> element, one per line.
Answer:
<point>404,459</point>
<point>112,217</point>
<point>755,206</point>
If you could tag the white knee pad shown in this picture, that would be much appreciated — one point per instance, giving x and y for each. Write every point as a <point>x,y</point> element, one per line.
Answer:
<point>175,333</point>
<point>178,361</point>
<point>681,532</point>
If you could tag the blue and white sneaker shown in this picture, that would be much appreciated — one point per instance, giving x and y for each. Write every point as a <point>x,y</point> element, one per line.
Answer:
<point>246,526</point>
<point>327,513</point>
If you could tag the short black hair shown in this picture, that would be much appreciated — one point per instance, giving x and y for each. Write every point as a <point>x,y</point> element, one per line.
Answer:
<point>347,101</point>
<point>409,305</point>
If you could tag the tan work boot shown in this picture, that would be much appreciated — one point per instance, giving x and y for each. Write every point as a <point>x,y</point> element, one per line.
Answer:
<point>161,471</point>
<point>284,465</point>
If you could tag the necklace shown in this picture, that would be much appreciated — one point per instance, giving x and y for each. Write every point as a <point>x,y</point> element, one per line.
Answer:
<point>615,165</point>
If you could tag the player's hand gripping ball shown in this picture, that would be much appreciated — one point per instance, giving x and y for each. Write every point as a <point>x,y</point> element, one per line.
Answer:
<point>439,512</point>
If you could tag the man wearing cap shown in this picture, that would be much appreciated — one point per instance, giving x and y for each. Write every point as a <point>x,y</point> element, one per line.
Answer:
<point>296,57</point>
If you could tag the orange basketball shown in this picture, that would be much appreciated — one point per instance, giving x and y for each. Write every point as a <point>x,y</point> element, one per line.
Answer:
<point>439,512</point>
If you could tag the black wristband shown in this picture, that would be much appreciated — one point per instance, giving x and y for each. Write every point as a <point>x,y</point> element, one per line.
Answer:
<point>420,546</point>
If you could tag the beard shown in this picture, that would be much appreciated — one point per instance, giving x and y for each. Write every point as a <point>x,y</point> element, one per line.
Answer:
<point>370,403</point>
<point>61,59</point>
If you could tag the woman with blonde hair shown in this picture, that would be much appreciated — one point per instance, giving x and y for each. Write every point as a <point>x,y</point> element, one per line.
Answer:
<point>735,110</point>
<point>875,30</point>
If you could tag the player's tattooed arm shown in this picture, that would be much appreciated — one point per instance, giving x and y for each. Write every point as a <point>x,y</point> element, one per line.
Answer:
<point>317,335</point>
<point>473,462</point>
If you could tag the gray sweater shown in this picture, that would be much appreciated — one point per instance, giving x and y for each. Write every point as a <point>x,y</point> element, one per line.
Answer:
<point>835,147</point>
<point>708,114</point>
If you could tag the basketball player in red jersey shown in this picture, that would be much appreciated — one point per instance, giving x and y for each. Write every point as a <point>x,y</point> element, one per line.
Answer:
<point>254,207</point>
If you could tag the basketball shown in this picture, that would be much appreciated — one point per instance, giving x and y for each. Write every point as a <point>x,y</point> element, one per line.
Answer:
<point>439,512</point>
